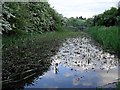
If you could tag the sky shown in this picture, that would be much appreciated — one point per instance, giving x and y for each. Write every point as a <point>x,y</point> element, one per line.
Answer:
<point>85,8</point>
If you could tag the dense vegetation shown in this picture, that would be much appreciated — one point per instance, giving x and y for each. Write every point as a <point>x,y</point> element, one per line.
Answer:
<point>78,23</point>
<point>23,41</point>
<point>26,54</point>
<point>104,28</point>
<point>107,37</point>
<point>108,18</point>
<point>24,49</point>
<point>29,17</point>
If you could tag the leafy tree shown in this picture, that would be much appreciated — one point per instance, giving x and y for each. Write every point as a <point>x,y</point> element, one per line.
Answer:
<point>108,18</point>
<point>24,17</point>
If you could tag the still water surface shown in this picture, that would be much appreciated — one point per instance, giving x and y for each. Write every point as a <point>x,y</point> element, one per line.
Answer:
<point>78,64</point>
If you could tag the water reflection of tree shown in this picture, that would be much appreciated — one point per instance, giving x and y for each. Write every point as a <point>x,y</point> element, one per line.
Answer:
<point>56,68</point>
<point>19,81</point>
<point>29,60</point>
<point>81,59</point>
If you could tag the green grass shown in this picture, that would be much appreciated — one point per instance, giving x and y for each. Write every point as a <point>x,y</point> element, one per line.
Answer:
<point>28,51</point>
<point>108,37</point>
<point>11,41</point>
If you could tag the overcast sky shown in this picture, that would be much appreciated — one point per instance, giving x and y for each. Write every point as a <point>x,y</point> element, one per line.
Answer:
<point>85,8</point>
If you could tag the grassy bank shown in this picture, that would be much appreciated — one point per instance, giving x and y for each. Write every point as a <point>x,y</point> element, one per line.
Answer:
<point>29,51</point>
<point>108,37</point>
<point>11,41</point>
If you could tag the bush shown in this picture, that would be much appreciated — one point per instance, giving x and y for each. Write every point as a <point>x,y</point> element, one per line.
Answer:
<point>29,17</point>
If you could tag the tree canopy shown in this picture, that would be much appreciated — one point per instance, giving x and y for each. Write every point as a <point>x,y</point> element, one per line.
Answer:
<point>20,17</point>
<point>108,18</point>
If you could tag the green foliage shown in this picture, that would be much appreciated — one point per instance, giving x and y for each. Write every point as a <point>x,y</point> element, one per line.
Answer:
<point>78,23</point>
<point>75,22</point>
<point>18,40</point>
<point>29,17</point>
<point>26,52</point>
<point>89,22</point>
<point>108,37</point>
<point>110,17</point>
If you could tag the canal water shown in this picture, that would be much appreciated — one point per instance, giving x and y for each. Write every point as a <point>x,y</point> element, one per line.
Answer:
<point>79,63</point>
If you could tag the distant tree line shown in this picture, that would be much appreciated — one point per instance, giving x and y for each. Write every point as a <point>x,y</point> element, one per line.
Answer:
<point>77,23</point>
<point>108,18</point>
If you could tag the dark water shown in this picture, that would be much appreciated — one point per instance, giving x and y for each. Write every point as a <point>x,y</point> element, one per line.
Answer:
<point>74,66</point>
<point>77,64</point>
<point>65,77</point>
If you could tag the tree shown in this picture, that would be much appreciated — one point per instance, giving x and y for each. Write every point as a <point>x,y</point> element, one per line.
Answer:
<point>108,18</point>
<point>28,17</point>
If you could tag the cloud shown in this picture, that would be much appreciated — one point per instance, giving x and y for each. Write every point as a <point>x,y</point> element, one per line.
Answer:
<point>107,77</point>
<point>85,8</point>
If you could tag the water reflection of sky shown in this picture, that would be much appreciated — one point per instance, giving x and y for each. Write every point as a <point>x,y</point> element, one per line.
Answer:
<point>74,67</point>
<point>70,78</point>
